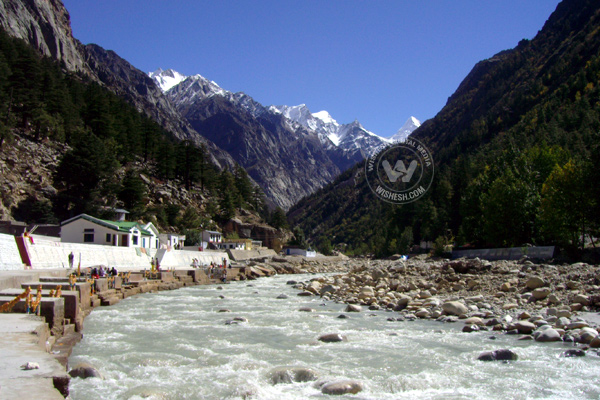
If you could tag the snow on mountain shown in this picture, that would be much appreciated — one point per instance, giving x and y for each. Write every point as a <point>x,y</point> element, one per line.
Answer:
<point>166,79</point>
<point>409,126</point>
<point>352,137</point>
<point>195,87</point>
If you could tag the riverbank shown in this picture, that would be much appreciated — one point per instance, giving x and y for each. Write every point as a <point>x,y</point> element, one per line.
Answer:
<point>539,302</point>
<point>47,341</point>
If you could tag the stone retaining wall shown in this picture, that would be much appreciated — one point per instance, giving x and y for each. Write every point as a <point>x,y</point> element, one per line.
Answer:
<point>184,258</point>
<point>239,255</point>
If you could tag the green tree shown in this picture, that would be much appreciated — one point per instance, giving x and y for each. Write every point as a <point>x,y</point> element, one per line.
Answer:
<point>229,195</point>
<point>566,204</point>
<point>278,219</point>
<point>82,175</point>
<point>133,193</point>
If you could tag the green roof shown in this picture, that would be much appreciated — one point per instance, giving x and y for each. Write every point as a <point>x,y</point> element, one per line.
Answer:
<point>121,226</point>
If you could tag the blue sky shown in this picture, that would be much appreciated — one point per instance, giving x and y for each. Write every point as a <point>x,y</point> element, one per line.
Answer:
<point>376,61</point>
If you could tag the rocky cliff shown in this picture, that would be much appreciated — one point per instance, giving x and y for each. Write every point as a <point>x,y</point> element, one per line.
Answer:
<point>45,24</point>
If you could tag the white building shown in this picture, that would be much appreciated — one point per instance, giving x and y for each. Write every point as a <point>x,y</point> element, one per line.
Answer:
<point>87,229</point>
<point>171,240</point>
<point>212,237</point>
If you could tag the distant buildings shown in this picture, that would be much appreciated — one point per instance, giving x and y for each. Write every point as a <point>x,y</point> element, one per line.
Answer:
<point>298,251</point>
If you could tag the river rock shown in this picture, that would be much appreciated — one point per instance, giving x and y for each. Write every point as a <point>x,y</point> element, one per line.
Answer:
<point>573,353</point>
<point>307,309</point>
<point>541,293</point>
<point>498,355</point>
<point>282,296</point>
<point>422,313</point>
<point>84,371</point>
<point>470,328</point>
<point>454,308</point>
<point>291,374</point>
<point>474,321</point>
<point>305,293</point>
<point>342,387</point>
<point>595,343</point>
<point>581,299</point>
<point>534,283</point>
<point>332,338</point>
<point>524,327</point>
<point>547,335</point>
<point>353,308</point>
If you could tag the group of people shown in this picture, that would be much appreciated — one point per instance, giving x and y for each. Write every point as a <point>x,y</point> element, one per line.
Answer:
<point>155,264</point>
<point>217,271</point>
<point>101,272</point>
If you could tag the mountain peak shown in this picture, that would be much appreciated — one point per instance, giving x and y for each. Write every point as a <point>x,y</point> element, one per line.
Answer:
<point>325,117</point>
<point>166,79</point>
<point>409,126</point>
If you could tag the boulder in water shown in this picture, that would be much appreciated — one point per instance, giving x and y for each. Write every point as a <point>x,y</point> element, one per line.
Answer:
<point>353,308</point>
<point>291,374</point>
<point>342,387</point>
<point>84,371</point>
<point>498,355</point>
<point>332,338</point>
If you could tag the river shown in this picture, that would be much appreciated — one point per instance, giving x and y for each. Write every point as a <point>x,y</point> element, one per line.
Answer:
<point>176,345</point>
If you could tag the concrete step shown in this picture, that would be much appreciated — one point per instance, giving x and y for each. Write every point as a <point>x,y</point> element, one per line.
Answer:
<point>109,301</point>
<point>64,346</point>
<point>68,329</point>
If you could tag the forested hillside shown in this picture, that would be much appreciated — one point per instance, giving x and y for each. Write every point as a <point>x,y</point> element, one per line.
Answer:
<point>110,154</point>
<point>515,149</point>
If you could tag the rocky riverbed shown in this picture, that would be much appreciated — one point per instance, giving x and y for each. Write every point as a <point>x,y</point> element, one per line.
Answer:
<point>536,301</point>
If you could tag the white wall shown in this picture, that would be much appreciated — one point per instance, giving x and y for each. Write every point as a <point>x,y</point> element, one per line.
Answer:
<point>50,254</point>
<point>10,258</point>
<point>74,231</point>
<point>183,258</point>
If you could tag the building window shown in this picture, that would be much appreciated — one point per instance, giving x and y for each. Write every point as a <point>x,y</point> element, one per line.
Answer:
<point>108,237</point>
<point>88,235</point>
<point>134,239</point>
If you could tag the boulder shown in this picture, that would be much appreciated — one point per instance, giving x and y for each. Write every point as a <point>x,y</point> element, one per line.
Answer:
<point>541,293</point>
<point>498,355</point>
<point>332,338</point>
<point>353,308</point>
<point>291,374</point>
<point>342,387</point>
<point>547,335</point>
<point>282,296</point>
<point>454,308</point>
<point>307,309</point>
<point>474,321</point>
<point>84,371</point>
<point>524,327</point>
<point>573,353</point>
<point>534,283</point>
<point>581,299</point>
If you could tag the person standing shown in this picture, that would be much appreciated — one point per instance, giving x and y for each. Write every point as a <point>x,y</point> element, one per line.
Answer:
<point>71,258</point>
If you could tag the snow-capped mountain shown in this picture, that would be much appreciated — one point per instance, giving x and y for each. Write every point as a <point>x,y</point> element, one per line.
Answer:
<point>409,126</point>
<point>166,79</point>
<point>352,137</point>
<point>307,150</point>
